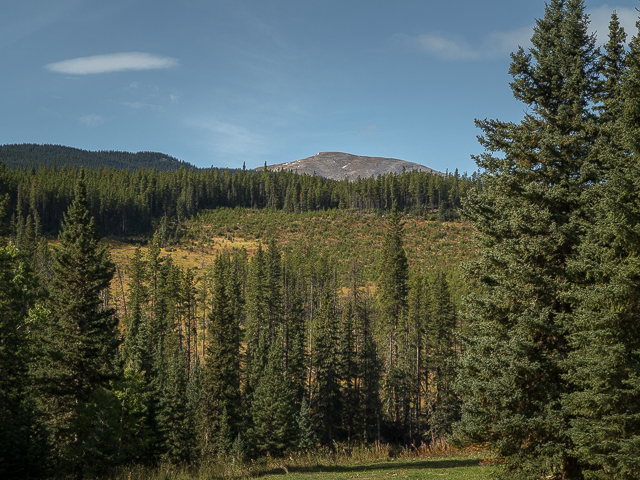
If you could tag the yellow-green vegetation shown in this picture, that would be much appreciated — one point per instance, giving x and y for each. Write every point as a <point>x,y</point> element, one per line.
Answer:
<point>345,235</point>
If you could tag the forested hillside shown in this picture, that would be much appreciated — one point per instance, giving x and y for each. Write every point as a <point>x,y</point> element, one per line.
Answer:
<point>34,156</point>
<point>126,203</point>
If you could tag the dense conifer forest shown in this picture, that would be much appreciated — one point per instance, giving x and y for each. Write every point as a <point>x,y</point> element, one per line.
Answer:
<point>126,203</point>
<point>288,347</point>
<point>253,356</point>
<point>29,155</point>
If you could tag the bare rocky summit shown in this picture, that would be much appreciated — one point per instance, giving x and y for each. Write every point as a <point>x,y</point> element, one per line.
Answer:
<point>338,166</point>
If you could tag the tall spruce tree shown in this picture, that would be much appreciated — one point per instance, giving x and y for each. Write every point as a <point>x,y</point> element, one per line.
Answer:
<point>613,67</point>
<point>273,411</point>
<point>347,372</point>
<point>193,409</point>
<point>605,360</point>
<point>177,439</point>
<point>293,328</point>
<point>442,403</point>
<point>371,374</point>
<point>325,401</point>
<point>136,347</point>
<point>529,220</point>
<point>418,312</point>
<point>256,324</point>
<point>392,289</point>
<point>221,373</point>
<point>83,335</point>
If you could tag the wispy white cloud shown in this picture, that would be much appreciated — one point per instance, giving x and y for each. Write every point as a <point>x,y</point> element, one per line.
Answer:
<point>114,62</point>
<point>175,97</point>
<point>138,105</point>
<point>500,44</point>
<point>92,120</point>
<point>448,47</point>
<point>368,132</point>
<point>601,16</point>
<point>228,139</point>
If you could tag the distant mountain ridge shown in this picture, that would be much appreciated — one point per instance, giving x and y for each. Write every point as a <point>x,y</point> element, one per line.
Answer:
<point>29,155</point>
<point>340,166</point>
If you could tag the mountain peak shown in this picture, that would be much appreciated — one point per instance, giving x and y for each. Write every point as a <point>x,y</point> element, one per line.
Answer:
<point>340,165</point>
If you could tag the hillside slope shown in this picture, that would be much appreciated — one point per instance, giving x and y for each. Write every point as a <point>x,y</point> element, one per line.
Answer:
<point>32,155</point>
<point>338,166</point>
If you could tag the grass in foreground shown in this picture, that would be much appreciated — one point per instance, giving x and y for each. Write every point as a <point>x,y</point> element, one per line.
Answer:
<point>361,464</point>
<point>455,468</point>
<point>467,468</point>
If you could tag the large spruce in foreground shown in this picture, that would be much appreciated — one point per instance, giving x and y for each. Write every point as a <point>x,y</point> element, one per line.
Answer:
<point>82,342</point>
<point>529,219</point>
<point>605,358</point>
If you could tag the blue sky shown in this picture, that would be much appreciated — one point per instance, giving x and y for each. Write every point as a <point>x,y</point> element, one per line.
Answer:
<point>225,82</point>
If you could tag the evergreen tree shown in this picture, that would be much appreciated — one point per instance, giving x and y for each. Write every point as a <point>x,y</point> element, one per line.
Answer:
<point>221,376</point>
<point>137,345</point>
<point>442,403</point>
<point>294,331</point>
<point>223,438</point>
<point>325,402</point>
<point>157,268</point>
<point>348,373</point>
<point>83,337</point>
<point>136,432</point>
<point>193,409</point>
<point>529,219</point>
<point>23,446</point>
<point>613,68</point>
<point>273,412</point>
<point>173,422</point>
<point>273,291</point>
<point>306,436</point>
<point>256,323</point>
<point>392,289</point>
<point>371,373</point>
<point>605,360</point>
<point>419,313</point>
<point>136,388</point>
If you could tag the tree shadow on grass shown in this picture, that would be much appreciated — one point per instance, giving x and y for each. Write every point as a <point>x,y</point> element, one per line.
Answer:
<point>371,467</point>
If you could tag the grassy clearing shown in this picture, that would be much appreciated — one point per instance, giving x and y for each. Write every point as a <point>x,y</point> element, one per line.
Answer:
<point>462,468</point>
<point>361,464</point>
<point>343,235</point>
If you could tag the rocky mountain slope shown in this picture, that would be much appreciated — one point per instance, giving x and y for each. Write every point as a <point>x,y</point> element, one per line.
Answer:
<point>338,166</point>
